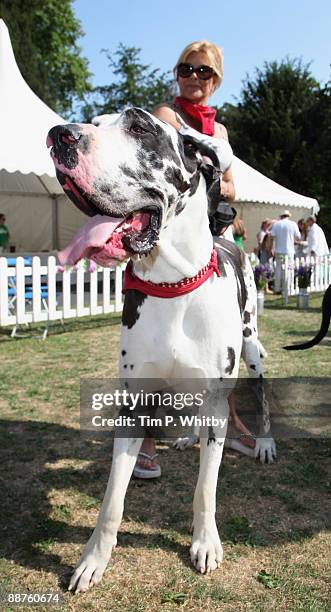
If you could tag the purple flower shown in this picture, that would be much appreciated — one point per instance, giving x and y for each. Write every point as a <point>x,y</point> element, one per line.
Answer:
<point>303,276</point>
<point>262,275</point>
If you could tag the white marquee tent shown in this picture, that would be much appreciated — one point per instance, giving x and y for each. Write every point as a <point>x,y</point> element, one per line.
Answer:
<point>39,216</point>
<point>258,198</point>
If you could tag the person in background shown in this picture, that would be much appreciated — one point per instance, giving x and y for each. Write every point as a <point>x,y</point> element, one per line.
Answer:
<point>198,72</point>
<point>4,234</point>
<point>264,229</point>
<point>284,234</point>
<point>239,232</point>
<point>265,252</point>
<point>301,247</point>
<point>317,244</point>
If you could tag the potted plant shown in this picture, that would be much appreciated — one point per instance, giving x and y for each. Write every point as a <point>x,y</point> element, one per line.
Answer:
<point>262,275</point>
<point>303,278</point>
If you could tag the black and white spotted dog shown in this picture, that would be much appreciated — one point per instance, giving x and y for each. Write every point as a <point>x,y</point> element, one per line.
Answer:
<point>144,188</point>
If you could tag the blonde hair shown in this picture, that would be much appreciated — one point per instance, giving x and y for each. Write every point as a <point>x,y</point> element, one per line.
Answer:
<point>238,228</point>
<point>214,53</point>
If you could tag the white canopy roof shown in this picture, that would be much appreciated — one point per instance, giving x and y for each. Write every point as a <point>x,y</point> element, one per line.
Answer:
<point>24,119</point>
<point>252,186</point>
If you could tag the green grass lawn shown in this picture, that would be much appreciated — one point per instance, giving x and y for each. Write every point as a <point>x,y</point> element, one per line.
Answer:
<point>273,520</point>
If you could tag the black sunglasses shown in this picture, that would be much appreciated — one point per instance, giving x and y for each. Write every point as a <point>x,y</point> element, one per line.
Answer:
<point>203,72</point>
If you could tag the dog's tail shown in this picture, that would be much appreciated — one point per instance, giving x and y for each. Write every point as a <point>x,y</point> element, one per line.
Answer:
<point>326,316</point>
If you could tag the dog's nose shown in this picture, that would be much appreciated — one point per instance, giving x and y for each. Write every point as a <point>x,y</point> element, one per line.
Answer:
<point>65,140</point>
<point>64,134</point>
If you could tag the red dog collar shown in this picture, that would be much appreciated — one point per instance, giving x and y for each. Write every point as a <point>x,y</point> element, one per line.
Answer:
<point>171,290</point>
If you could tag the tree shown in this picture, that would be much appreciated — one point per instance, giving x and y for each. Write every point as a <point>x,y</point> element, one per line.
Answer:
<point>281,126</point>
<point>44,37</point>
<point>135,84</point>
<point>321,155</point>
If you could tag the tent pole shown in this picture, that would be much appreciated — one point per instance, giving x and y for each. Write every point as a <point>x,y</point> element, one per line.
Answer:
<point>55,214</point>
<point>55,222</point>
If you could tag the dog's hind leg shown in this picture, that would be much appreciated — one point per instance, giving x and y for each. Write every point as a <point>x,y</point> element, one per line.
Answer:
<point>206,550</point>
<point>98,549</point>
<point>265,448</point>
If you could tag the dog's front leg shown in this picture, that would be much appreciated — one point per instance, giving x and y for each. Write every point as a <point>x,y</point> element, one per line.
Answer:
<point>98,549</point>
<point>206,550</point>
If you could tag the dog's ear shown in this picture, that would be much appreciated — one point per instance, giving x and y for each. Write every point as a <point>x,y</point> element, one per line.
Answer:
<point>213,177</point>
<point>189,152</point>
<point>195,150</point>
<point>194,153</point>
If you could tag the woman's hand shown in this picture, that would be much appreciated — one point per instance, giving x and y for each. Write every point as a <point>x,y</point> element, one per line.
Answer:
<point>228,192</point>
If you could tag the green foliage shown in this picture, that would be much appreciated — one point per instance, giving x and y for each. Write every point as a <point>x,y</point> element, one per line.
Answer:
<point>281,126</point>
<point>239,530</point>
<point>269,581</point>
<point>135,84</point>
<point>176,598</point>
<point>44,37</point>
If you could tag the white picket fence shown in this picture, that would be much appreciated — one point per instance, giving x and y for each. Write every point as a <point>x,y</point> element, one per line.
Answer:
<point>320,276</point>
<point>30,293</point>
<point>34,292</point>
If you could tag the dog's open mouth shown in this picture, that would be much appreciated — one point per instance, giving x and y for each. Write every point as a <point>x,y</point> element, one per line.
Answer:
<point>106,239</point>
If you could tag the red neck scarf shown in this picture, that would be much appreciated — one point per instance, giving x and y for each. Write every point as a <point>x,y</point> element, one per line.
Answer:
<point>171,290</point>
<point>204,114</point>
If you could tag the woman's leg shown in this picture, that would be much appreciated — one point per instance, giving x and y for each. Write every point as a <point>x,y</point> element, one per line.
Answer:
<point>147,448</point>
<point>238,424</point>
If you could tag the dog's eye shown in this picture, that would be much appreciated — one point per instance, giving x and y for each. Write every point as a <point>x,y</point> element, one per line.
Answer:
<point>190,149</point>
<point>137,129</point>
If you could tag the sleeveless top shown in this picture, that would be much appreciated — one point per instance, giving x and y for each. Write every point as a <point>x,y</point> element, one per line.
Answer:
<point>239,241</point>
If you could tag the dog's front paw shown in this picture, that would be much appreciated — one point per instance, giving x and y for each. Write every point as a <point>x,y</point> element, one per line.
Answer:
<point>92,564</point>
<point>265,450</point>
<point>186,442</point>
<point>206,550</point>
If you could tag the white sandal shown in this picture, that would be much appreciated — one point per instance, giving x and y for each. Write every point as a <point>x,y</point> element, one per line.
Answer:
<point>144,473</point>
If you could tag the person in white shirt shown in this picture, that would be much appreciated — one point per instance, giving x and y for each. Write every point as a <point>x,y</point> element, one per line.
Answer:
<point>317,244</point>
<point>284,233</point>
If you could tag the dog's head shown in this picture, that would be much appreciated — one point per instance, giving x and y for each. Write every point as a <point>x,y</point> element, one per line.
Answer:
<point>131,177</point>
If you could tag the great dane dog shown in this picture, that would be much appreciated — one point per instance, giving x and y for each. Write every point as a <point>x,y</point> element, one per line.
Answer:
<point>144,188</point>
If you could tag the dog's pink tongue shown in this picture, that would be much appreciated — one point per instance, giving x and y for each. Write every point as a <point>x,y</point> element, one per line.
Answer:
<point>94,234</point>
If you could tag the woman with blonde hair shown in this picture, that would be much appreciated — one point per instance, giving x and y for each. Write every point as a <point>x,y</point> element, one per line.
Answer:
<point>198,72</point>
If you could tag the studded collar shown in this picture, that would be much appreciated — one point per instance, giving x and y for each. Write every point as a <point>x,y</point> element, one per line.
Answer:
<point>171,290</point>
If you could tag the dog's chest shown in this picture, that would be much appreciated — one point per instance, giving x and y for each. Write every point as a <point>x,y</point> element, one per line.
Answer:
<point>173,337</point>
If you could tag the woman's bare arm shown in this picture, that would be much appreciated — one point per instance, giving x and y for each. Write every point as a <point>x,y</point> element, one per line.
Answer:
<point>167,114</point>
<point>227,186</point>
<point>228,191</point>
